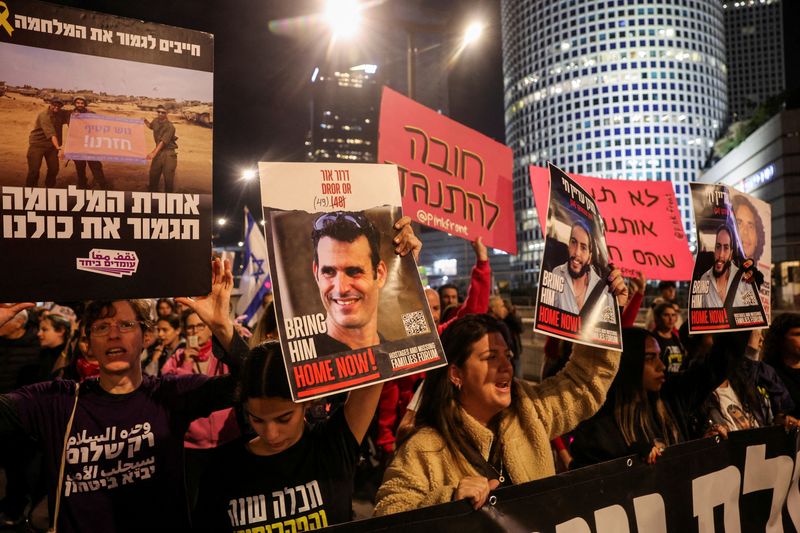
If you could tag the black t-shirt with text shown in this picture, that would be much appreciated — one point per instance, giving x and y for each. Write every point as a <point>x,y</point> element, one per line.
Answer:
<point>671,353</point>
<point>308,486</point>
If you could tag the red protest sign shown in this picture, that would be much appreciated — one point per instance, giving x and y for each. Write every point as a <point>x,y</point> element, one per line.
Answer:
<point>644,231</point>
<point>452,178</point>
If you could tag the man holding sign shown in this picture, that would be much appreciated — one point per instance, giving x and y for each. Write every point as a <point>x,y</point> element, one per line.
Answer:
<point>80,166</point>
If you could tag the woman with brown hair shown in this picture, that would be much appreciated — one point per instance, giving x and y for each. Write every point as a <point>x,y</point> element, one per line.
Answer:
<point>478,428</point>
<point>646,411</point>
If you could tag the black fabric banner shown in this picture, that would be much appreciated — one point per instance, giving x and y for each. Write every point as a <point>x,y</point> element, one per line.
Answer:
<point>747,483</point>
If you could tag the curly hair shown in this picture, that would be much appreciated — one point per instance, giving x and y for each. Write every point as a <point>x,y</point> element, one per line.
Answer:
<point>775,336</point>
<point>740,201</point>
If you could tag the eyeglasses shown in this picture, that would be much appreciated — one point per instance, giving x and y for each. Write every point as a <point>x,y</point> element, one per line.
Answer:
<point>357,219</point>
<point>195,327</point>
<point>104,328</point>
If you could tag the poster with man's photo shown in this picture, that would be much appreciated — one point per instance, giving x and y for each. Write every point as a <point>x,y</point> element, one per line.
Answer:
<point>724,293</point>
<point>754,225</point>
<point>574,301</point>
<point>105,171</point>
<point>350,311</point>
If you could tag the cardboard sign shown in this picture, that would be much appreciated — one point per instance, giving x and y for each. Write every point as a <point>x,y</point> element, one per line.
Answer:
<point>644,231</point>
<point>98,220</point>
<point>721,297</point>
<point>452,178</point>
<point>574,301</point>
<point>93,137</point>
<point>350,311</point>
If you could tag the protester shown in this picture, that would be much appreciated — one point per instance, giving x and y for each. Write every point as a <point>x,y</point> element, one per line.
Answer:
<point>204,434</point>
<point>667,293</point>
<point>782,352</point>
<point>478,428</point>
<point>54,333</point>
<point>166,307</point>
<point>287,457</point>
<point>266,328</point>
<point>169,340</point>
<point>672,351</point>
<point>134,480</point>
<point>397,394</point>
<point>448,295</point>
<point>646,411</point>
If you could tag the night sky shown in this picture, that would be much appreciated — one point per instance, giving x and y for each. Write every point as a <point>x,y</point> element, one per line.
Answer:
<point>261,78</point>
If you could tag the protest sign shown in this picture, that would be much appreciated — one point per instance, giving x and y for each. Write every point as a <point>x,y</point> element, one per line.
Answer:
<point>754,224</point>
<point>124,227</point>
<point>452,178</point>
<point>574,301</point>
<point>350,311</point>
<point>92,137</point>
<point>644,231</point>
<point>721,295</point>
<point>744,483</point>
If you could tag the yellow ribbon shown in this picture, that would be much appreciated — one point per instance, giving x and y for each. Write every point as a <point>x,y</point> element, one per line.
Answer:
<point>4,19</point>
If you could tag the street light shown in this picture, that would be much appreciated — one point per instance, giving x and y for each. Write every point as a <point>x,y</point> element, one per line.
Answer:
<point>221,222</point>
<point>472,33</point>
<point>249,174</point>
<point>344,17</point>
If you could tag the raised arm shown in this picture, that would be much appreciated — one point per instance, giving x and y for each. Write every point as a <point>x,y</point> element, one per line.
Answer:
<point>361,403</point>
<point>561,402</point>
<point>214,308</point>
<point>9,311</point>
<point>477,300</point>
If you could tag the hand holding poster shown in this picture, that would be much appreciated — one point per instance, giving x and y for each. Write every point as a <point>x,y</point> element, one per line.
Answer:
<point>452,178</point>
<point>350,311</point>
<point>574,301</point>
<point>723,291</point>
<point>643,224</point>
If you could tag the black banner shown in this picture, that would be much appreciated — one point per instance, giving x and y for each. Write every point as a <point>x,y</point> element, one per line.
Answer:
<point>31,23</point>
<point>748,483</point>
<point>106,167</point>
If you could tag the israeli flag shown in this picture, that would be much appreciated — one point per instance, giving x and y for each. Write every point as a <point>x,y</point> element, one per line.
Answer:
<point>255,281</point>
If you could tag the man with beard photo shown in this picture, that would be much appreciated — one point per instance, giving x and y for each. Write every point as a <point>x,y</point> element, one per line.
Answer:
<point>580,279</point>
<point>724,275</point>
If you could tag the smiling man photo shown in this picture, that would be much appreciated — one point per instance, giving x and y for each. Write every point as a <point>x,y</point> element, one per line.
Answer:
<point>349,274</point>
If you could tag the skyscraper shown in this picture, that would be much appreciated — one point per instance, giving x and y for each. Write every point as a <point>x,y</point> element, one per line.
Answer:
<point>344,116</point>
<point>755,54</point>
<point>628,89</point>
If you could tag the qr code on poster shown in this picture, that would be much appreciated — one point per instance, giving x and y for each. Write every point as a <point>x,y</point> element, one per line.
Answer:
<point>415,323</point>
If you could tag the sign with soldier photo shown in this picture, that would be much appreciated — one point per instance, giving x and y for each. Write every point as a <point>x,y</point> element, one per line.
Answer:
<point>574,301</point>
<point>105,172</point>
<point>725,281</point>
<point>350,311</point>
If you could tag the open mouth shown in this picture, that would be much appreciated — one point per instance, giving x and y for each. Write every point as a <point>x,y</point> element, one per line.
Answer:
<point>503,386</point>
<point>115,352</point>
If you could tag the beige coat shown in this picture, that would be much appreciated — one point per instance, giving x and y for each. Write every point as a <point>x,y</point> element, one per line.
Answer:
<point>425,473</point>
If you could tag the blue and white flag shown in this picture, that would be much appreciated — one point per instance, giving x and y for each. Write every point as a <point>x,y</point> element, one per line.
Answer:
<point>255,282</point>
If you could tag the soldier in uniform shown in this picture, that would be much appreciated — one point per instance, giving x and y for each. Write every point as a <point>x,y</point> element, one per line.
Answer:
<point>164,158</point>
<point>44,142</point>
<point>80,166</point>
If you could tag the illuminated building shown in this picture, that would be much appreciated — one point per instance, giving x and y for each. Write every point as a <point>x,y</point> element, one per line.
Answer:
<point>627,89</point>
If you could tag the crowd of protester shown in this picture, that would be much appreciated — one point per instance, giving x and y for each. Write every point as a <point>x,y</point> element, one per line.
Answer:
<point>224,432</point>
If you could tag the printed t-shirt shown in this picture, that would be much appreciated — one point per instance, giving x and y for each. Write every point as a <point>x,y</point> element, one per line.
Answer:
<point>671,353</point>
<point>124,460</point>
<point>308,486</point>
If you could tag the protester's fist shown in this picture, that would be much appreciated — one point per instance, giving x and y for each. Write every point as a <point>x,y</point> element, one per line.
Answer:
<point>475,489</point>
<point>716,429</point>
<point>654,454</point>
<point>9,311</point>
<point>405,241</point>
<point>638,284</point>
<point>480,249</point>
<point>617,285</point>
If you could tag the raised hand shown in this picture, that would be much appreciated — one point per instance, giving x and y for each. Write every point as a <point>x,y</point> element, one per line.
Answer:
<point>214,308</point>
<point>405,241</point>
<point>9,311</point>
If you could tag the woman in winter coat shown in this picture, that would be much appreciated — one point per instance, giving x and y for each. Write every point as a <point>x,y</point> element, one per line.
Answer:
<point>478,428</point>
